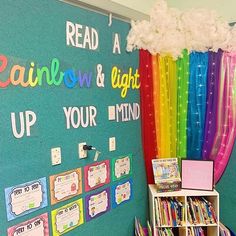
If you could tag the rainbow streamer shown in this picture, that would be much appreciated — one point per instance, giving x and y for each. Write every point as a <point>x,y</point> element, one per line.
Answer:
<point>156,99</point>
<point>213,79</point>
<point>196,103</point>
<point>226,116</point>
<point>182,65</point>
<point>168,103</point>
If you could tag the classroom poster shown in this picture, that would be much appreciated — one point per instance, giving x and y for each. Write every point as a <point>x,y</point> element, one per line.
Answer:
<point>96,175</point>
<point>26,198</point>
<point>121,193</point>
<point>121,167</point>
<point>67,218</point>
<point>37,226</point>
<point>97,204</point>
<point>65,185</point>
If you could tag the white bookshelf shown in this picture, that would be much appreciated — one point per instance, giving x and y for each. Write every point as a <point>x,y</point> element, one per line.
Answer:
<point>211,196</point>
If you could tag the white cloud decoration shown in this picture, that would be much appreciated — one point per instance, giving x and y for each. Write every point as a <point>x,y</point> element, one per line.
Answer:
<point>169,31</point>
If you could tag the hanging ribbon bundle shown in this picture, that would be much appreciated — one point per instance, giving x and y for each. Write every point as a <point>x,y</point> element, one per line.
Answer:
<point>213,79</point>
<point>147,112</point>
<point>168,91</point>
<point>182,104</point>
<point>196,103</point>
<point>225,115</point>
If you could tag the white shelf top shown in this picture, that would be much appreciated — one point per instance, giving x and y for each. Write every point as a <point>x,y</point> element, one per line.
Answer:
<point>201,225</point>
<point>182,192</point>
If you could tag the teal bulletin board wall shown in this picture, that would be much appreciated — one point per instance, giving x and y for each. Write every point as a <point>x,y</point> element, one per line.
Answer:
<point>227,191</point>
<point>32,34</point>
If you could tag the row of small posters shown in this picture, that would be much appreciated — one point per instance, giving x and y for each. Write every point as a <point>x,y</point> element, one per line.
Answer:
<point>31,196</point>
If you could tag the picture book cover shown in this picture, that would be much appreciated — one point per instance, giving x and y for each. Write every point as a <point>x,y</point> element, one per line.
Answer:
<point>166,170</point>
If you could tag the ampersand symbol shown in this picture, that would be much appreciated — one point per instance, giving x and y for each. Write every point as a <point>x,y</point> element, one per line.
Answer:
<point>100,76</point>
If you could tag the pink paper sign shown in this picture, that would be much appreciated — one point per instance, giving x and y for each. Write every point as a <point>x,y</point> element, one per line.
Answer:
<point>197,174</point>
<point>36,226</point>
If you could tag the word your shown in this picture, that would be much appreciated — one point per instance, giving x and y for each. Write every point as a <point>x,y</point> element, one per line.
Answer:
<point>124,80</point>
<point>27,119</point>
<point>49,75</point>
<point>81,36</point>
<point>127,112</point>
<point>80,116</point>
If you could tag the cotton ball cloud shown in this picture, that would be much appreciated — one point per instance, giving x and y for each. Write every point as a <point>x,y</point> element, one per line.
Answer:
<point>169,31</point>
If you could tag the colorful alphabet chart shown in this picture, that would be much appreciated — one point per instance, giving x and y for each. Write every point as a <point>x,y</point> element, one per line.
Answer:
<point>37,226</point>
<point>121,167</point>
<point>26,198</point>
<point>121,193</point>
<point>67,218</point>
<point>97,204</point>
<point>65,185</point>
<point>96,175</point>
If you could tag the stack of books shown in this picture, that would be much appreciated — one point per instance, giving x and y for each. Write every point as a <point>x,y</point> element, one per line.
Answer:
<point>224,231</point>
<point>196,231</point>
<point>165,232</point>
<point>166,174</point>
<point>200,211</point>
<point>140,231</point>
<point>169,212</point>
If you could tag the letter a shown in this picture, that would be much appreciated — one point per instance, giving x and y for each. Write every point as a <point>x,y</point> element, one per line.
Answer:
<point>116,44</point>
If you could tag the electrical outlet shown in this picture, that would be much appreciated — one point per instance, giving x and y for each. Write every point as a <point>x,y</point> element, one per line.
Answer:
<point>81,151</point>
<point>112,144</point>
<point>56,156</point>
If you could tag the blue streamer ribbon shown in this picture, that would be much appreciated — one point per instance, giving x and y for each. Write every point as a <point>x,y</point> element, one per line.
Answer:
<point>197,104</point>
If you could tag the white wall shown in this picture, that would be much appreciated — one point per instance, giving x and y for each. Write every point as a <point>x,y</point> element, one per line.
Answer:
<point>226,8</point>
<point>138,5</point>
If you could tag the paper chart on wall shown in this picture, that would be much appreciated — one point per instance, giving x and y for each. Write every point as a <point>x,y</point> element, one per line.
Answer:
<point>122,193</point>
<point>96,175</point>
<point>37,226</point>
<point>26,198</point>
<point>65,185</point>
<point>97,204</point>
<point>67,218</point>
<point>121,167</point>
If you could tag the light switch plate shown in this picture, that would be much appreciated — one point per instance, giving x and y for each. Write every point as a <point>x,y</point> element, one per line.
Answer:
<point>56,156</point>
<point>82,153</point>
<point>111,113</point>
<point>112,144</point>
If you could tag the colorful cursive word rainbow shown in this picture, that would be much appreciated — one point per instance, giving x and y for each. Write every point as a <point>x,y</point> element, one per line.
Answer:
<point>51,76</point>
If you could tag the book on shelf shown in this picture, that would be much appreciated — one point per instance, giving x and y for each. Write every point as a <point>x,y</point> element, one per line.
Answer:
<point>169,212</point>
<point>196,231</point>
<point>166,174</point>
<point>140,231</point>
<point>165,232</point>
<point>200,211</point>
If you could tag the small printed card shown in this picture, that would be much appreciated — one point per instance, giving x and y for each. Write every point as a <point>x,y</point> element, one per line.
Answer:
<point>121,167</point>
<point>67,218</point>
<point>97,204</point>
<point>37,226</point>
<point>65,185</point>
<point>121,193</point>
<point>25,198</point>
<point>96,175</point>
